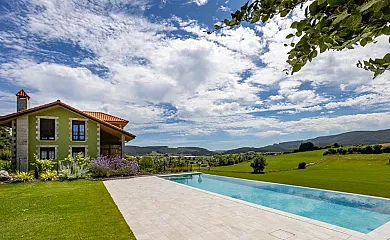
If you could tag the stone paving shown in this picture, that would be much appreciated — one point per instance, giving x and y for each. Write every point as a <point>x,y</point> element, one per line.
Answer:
<point>158,209</point>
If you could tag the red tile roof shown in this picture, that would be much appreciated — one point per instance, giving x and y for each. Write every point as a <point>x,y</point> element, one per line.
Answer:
<point>22,93</point>
<point>59,103</point>
<point>107,117</point>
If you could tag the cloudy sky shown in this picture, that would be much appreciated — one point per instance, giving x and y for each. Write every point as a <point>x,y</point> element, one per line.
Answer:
<point>151,63</point>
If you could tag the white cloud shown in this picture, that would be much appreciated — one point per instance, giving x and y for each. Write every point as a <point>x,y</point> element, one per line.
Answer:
<point>148,64</point>
<point>200,2</point>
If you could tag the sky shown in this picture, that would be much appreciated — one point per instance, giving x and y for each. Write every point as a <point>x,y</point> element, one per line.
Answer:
<point>151,62</point>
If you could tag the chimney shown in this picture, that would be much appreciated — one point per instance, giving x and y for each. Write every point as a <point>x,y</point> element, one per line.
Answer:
<point>23,101</point>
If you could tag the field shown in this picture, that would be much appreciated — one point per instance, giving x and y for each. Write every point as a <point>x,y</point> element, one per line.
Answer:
<point>60,210</point>
<point>356,173</point>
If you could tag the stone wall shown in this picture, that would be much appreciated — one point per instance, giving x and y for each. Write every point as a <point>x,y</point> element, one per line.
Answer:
<point>22,143</point>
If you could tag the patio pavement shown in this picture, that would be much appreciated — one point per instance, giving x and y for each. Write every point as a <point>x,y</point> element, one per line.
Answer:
<point>156,208</point>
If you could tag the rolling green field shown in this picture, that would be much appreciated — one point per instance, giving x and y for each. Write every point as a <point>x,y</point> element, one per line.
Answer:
<point>60,210</point>
<point>356,173</point>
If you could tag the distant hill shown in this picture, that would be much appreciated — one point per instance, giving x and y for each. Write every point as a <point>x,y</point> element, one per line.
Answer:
<point>194,151</point>
<point>348,138</point>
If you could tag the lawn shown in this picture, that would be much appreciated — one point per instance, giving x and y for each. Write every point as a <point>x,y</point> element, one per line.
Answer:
<point>355,173</point>
<point>60,210</point>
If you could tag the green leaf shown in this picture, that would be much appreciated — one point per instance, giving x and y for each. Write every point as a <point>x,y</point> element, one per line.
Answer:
<point>313,8</point>
<point>290,36</point>
<point>335,2</point>
<point>367,5</point>
<point>328,39</point>
<point>386,30</point>
<point>284,13</point>
<point>387,58</point>
<point>255,16</point>
<point>265,18</point>
<point>301,26</point>
<point>217,27</point>
<point>353,21</point>
<point>321,2</point>
<point>363,42</point>
<point>294,24</point>
<point>340,17</point>
<point>323,47</point>
<point>378,6</point>
<point>296,68</point>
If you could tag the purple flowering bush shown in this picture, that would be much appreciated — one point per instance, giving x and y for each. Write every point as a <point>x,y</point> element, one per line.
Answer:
<point>107,166</point>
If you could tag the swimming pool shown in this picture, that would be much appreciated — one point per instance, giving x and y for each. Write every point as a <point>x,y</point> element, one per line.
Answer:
<point>355,212</point>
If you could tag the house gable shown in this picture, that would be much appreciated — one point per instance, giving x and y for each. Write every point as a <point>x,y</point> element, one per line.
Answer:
<point>63,118</point>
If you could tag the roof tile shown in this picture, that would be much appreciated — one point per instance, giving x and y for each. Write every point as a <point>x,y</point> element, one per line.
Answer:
<point>106,117</point>
<point>22,93</point>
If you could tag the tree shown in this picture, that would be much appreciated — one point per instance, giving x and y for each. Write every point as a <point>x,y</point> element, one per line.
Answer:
<point>5,138</point>
<point>258,164</point>
<point>328,25</point>
<point>307,146</point>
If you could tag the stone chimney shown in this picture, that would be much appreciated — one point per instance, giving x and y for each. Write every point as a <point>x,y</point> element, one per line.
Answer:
<point>23,101</point>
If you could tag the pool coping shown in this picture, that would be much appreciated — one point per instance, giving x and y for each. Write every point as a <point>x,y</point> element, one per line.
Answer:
<point>382,232</point>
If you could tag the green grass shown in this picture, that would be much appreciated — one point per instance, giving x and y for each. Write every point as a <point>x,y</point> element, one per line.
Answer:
<point>60,210</point>
<point>355,173</point>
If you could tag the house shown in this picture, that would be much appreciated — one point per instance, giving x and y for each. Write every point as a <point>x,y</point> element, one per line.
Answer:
<point>57,130</point>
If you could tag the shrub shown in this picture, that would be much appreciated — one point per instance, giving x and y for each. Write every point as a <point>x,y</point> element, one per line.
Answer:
<point>72,171</point>
<point>5,165</point>
<point>106,166</point>
<point>48,175</point>
<point>377,149</point>
<point>146,164</point>
<point>22,177</point>
<point>5,154</point>
<point>386,149</point>
<point>336,145</point>
<point>42,165</point>
<point>258,164</point>
<point>78,160</point>
<point>74,167</point>
<point>368,150</point>
<point>342,151</point>
<point>330,151</point>
<point>307,146</point>
<point>302,165</point>
<point>230,161</point>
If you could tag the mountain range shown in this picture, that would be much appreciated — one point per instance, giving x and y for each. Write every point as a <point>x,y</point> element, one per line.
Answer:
<point>348,138</point>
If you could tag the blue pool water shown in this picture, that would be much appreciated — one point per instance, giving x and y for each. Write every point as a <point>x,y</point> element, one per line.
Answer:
<point>359,213</point>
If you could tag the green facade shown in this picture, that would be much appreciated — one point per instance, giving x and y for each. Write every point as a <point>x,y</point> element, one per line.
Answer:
<point>63,140</point>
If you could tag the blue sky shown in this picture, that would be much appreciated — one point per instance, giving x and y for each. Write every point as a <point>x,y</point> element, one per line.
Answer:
<point>152,63</point>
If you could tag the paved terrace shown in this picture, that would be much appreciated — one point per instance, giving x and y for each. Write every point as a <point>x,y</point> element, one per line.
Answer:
<point>156,208</point>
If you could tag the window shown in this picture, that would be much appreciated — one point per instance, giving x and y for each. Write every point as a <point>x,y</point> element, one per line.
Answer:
<point>47,129</point>
<point>78,130</point>
<point>47,153</point>
<point>77,150</point>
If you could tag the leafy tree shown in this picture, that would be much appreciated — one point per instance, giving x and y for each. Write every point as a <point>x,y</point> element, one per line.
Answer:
<point>258,164</point>
<point>327,25</point>
<point>5,138</point>
<point>307,146</point>
<point>378,149</point>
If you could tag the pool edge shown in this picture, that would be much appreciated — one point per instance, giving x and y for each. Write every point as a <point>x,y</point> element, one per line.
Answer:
<point>291,215</point>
